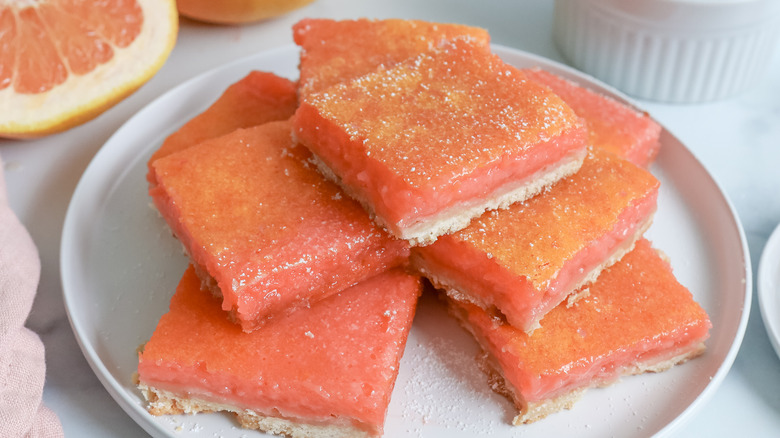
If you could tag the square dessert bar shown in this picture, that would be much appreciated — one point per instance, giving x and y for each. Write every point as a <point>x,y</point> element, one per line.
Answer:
<point>636,318</point>
<point>334,51</point>
<point>612,125</point>
<point>326,371</point>
<point>263,227</point>
<point>432,142</point>
<point>257,98</point>
<point>524,260</point>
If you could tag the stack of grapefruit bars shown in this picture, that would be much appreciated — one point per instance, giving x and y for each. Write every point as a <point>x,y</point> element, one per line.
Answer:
<point>312,210</point>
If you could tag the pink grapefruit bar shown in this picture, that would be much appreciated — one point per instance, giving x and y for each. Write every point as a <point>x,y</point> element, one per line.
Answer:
<point>326,371</point>
<point>636,318</point>
<point>432,142</point>
<point>257,98</point>
<point>525,260</point>
<point>334,51</point>
<point>612,125</point>
<point>263,227</point>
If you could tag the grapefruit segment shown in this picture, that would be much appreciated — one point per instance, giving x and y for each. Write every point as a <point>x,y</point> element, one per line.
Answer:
<point>119,21</point>
<point>81,47</point>
<point>45,69</point>
<point>7,48</point>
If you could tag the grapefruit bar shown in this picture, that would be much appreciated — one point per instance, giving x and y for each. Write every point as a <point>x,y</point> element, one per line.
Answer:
<point>636,318</point>
<point>327,371</point>
<point>525,260</point>
<point>263,227</point>
<point>257,98</point>
<point>334,51</point>
<point>432,142</point>
<point>612,125</point>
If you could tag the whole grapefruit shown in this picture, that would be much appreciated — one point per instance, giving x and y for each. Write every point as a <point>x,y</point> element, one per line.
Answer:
<point>236,11</point>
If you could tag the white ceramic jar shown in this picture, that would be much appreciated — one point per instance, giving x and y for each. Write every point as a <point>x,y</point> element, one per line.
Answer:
<point>677,51</point>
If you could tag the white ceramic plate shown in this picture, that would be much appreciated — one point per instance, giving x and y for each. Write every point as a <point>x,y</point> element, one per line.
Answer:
<point>769,288</point>
<point>120,265</point>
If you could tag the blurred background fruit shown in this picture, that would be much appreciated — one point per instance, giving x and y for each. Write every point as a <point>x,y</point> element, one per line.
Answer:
<point>236,11</point>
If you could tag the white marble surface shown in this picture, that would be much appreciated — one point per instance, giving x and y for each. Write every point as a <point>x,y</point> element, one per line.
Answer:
<point>738,140</point>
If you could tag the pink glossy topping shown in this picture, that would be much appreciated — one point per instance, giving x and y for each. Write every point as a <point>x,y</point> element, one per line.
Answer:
<point>452,125</point>
<point>526,259</point>
<point>636,313</point>
<point>335,363</point>
<point>612,125</point>
<point>334,51</point>
<point>260,220</point>
<point>257,98</point>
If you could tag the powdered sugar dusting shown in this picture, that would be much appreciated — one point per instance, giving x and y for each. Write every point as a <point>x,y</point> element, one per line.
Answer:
<point>432,395</point>
<point>440,388</point>
<point>442,392</point>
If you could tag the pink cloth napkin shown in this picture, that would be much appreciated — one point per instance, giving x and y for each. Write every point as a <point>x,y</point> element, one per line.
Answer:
<point>22,363</point>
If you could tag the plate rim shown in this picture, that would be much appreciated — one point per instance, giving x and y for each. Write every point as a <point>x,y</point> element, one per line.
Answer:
<point>769,255</point>
<point>139,415</point>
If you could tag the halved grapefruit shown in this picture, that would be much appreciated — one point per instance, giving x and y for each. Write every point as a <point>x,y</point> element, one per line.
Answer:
<point>63,62</point>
